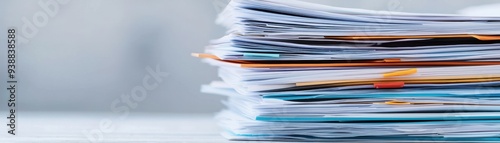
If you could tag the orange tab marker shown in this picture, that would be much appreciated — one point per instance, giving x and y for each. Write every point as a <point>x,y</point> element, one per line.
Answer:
<point>389,85</point>
<point>486,37</point>
<point>392,60</point>
<point>401,72</point>
<point>397,102</point>
<point>203,55</point>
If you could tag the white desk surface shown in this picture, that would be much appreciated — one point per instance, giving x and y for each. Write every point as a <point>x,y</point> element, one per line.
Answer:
<point>63,127</point>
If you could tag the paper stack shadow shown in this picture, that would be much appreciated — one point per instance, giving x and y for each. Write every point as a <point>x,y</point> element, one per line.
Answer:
<point>296,71</point>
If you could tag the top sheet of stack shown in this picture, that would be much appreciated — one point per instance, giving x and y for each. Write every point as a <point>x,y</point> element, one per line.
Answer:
<point>263,30</point>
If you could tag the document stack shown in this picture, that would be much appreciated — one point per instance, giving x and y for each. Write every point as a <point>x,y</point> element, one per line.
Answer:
<point>297,71</point>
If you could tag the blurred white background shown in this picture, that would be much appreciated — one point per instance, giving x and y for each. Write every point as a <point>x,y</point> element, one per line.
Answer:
<point>91,52</point>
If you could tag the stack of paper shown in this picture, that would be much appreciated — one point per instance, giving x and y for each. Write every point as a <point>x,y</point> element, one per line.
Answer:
<point>306,72</point>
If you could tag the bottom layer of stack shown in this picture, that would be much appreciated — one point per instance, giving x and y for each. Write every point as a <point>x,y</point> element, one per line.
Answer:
<point>364,114</point>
